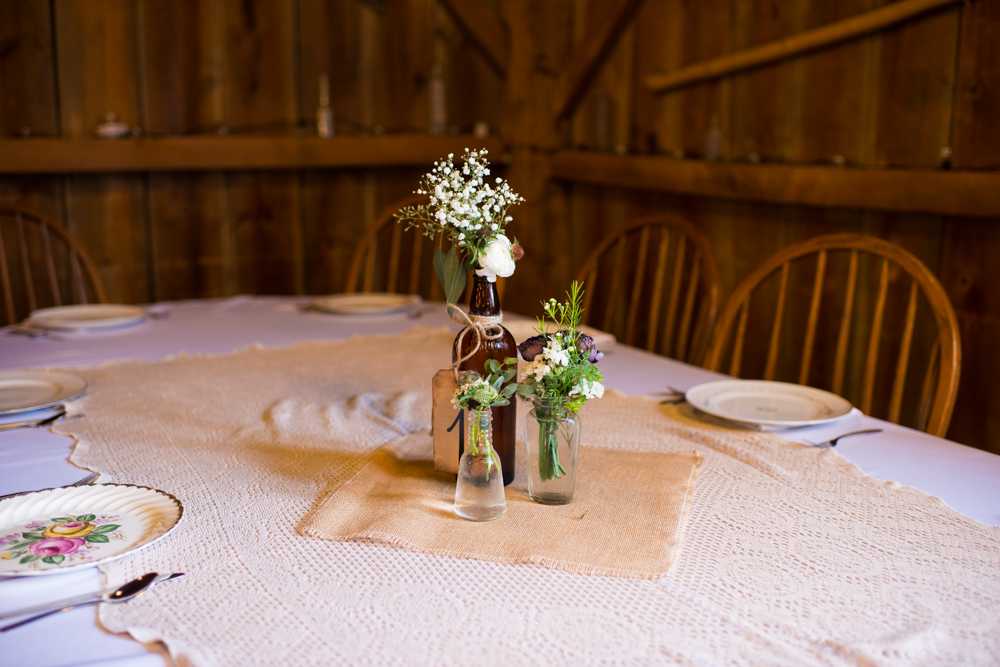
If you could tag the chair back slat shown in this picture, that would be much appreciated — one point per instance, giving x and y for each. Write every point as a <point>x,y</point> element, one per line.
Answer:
<point>927,390</point>
<point>741,334</point>
<point>8,295</point>
<point>903,361</point>
<point>844,334</point>
<point>772,349</point>
<point>689,299</point>
<point>817,296</point>
<point>78,279</point>
<point>36,283</point>
<point>871,362</point>
<point>637,283</point>
<point>50,265</point>
<point>616,279</point>
<point>675,291</point>
<point>369,276</point>
<point>654,269</point>
<point>415,263</point>
<point>29,281</point>
<point>859,370</point>
<point>397,235</point>
<point>588,294</point>
<point>653,321</point>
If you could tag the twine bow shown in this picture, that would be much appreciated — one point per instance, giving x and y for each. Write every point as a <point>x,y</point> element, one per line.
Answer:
<point>484,327</point>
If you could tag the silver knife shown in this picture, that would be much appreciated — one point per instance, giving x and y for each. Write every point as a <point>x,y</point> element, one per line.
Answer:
<point>77,599</point>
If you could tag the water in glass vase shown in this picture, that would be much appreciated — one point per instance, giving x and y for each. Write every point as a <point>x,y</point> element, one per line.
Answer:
<point>479,490</point>
<point>552,446</point>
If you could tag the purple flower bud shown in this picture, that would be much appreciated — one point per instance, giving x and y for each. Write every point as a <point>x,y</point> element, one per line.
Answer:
<point>532,347</point>
<point>585,344</point>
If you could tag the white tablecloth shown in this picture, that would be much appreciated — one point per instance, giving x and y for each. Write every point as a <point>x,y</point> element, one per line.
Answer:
<point>964,477</point>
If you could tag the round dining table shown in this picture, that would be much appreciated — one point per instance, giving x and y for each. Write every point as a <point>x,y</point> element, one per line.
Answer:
<point>30,459</point>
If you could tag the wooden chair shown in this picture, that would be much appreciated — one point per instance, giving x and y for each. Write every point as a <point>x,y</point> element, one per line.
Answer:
<point>835,269</point>
<point>41,265</point>
<point>391,259</point>
<point>651,258</point>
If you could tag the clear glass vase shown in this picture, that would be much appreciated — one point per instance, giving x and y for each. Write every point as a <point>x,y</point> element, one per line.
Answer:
<point>479,491</point>
<point>552,445</point>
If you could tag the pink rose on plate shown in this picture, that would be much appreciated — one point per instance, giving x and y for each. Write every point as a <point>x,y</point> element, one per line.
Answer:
<point>56,546</point>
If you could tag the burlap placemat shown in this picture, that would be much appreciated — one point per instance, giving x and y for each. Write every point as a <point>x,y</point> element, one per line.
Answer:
<point>627,517</point>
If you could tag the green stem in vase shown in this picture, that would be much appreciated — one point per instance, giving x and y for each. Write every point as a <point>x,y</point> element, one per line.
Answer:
<point>549,467</point>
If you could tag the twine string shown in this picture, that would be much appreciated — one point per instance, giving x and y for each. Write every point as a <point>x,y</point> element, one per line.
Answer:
<point>484,327</point>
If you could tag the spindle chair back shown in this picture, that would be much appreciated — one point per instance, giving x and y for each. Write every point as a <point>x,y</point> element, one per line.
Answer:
<point>654,284</point>
<point>390,258</point>
<point>862,302</point>
<point>41,265</point>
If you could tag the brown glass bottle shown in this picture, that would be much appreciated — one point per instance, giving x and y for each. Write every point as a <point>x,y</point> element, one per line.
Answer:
<point>485,301</point>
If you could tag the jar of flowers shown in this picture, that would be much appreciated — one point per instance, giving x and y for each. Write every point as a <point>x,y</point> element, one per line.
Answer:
<point>558,379</point>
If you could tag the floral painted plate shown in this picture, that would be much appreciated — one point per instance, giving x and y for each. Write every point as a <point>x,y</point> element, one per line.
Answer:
<point>57,530</point>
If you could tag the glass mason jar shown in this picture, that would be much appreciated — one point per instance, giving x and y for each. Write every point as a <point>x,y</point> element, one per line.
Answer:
<point>552,444</point>
<point>479,490</point>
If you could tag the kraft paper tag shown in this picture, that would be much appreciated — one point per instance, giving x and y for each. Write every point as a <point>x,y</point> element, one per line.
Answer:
<point>447,423</point>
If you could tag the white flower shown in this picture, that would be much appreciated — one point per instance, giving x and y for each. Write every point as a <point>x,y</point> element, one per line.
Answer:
<point>587,389</point>
<point>498,260</point>
<point>555,353</point>
<point>536,370</point>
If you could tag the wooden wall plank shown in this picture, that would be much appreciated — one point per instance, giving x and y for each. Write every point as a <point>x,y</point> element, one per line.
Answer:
<point>191,250</point>
<point>27,69</point>
<point>97,74</point>
<point>919,191</point>
<point>976,134</point>
<point>916,90</point>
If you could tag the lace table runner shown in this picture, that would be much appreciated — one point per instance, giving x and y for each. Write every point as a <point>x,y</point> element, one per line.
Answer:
<point>792,556</point>
<point>626,519</point>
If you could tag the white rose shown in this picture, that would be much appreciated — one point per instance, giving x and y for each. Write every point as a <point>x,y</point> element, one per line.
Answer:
<point>498,260</point>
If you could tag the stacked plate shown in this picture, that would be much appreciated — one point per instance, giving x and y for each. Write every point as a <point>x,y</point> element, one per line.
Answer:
<point>22,391</point>
<point>768,404</point>
<point>367,303</point>
<point>88,317</point>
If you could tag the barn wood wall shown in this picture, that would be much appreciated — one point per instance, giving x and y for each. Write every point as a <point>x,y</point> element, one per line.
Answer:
<point>893,99</point>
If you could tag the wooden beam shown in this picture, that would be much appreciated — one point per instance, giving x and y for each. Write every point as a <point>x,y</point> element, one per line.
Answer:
<point>965,193</point>
<point>811,40</point>
<point>604,27</point>
<point>484,27</point>
<point>211,153</point>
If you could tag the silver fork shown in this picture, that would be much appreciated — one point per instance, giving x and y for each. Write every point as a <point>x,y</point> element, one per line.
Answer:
<point>81,482</point>
<point>31,332</point>
<point>48,421</point>
<point>832,442</point>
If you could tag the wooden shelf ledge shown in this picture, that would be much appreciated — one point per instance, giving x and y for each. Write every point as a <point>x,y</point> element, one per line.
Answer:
<point>211,153</point>
<point>966,193</point>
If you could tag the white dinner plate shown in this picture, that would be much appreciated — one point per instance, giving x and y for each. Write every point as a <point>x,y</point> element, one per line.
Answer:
<point>87,317</point>
<point>21,391</point>
<point>57,530</point>
<point>765,403</point>
<point>522,330</point>
<point>367,303</point>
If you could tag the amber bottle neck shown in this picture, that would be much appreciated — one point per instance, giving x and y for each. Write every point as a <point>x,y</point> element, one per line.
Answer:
<point>485,299</point>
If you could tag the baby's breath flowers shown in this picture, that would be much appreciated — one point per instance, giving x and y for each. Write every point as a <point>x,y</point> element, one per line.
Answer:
<point>471,211</point>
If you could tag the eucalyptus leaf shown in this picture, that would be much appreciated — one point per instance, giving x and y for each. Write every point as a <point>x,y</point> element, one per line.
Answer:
<point>450,273</point>
<point>510,361</point>
<point>509,390</point>
<point>525,390</point>
<point>501,403</point>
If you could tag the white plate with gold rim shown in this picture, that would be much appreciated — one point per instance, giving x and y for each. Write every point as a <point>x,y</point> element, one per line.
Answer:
<point>58,530</point>
<point>367,303</point>
<point>765,403</point>
<point>21,391</point>
<point>87,317</point>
